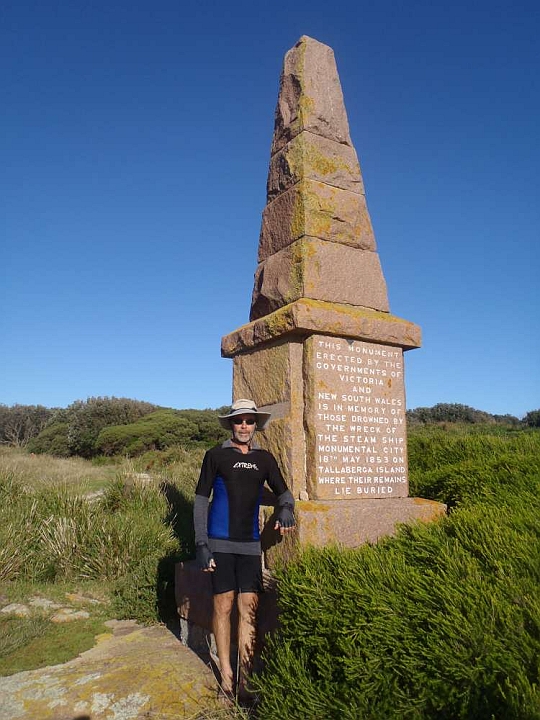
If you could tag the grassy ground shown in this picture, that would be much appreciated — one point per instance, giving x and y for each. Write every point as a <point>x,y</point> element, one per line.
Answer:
<point>119,546</point>
<point>35,641</point>
<point>45,470</point>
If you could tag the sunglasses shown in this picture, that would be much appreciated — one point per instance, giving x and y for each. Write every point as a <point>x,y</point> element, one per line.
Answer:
<point>239,421</point>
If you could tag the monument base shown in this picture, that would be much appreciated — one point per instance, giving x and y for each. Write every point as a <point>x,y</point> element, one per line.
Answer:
<point>319,523</point>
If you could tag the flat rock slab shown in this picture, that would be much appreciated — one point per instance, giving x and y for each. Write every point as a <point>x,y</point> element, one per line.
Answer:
<point>145,674</point>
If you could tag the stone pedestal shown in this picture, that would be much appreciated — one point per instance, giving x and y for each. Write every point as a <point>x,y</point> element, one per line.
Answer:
<point>338,424</point>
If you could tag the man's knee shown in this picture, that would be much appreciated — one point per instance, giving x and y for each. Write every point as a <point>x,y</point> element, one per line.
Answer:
<point>247,605</point>
<point>223,603</point>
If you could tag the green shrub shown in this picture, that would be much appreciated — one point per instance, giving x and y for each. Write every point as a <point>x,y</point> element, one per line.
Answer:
<point>87,418</point>
<point>88,428</point>
<point>209,432</point>
<point>156,431</point>
<point>464,467</point>
<point>128,538</point>
<point>532,419</point>
<point>20,423</point>
<point>52,440</point>
<point>78,425</point>
<point>147,593</point>
<point>52,533</point>
<point>442,621</point>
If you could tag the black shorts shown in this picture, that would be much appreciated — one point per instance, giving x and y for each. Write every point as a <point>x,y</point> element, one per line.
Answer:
<point>242,573</point>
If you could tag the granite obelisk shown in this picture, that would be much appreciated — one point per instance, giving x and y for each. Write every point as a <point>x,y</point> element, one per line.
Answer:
<point>322,351</point>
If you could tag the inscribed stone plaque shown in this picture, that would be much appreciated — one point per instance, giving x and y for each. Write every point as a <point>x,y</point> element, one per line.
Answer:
<point>355,402</point>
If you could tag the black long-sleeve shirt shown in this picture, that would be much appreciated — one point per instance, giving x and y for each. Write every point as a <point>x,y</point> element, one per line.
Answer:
<point>235,481</point>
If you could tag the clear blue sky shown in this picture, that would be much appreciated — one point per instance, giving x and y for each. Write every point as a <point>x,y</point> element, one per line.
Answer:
<point>135,142</point>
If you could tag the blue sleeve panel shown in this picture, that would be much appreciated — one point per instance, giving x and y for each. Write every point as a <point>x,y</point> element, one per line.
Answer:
<point>218,518</point>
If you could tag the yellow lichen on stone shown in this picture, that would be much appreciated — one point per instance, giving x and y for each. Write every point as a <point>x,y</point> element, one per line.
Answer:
<point>277,322</point>
<point>298,216</point>
<point>310,506</point>
<point>325,164</point>
<point>103,637</point>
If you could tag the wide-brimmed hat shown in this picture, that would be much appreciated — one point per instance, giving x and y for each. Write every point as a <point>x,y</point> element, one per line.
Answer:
<point>245,407</point>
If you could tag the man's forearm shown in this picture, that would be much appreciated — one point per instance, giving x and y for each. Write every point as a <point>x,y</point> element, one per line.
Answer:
<point>200,519</point>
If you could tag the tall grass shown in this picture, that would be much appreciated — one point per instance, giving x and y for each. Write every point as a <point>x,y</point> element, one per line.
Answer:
<point>442,621</point>
<point>129,536</point>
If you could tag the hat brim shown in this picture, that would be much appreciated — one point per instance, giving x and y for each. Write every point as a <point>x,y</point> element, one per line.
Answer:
<point>262,418</point>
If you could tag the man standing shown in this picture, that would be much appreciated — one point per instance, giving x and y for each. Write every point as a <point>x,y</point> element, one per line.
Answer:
<point>227,533</point>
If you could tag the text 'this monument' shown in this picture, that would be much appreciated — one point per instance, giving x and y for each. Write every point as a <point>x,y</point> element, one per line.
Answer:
<point>322,351</point>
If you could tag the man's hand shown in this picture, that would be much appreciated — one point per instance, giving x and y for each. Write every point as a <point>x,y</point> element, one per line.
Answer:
<point>285,519</point>
<point>205,559</point>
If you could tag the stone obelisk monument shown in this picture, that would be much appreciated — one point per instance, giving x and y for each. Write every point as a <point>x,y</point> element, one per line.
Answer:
<point>322,351</point>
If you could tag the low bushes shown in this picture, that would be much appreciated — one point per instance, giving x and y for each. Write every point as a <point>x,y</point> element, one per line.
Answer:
<point>156,431</point>
<point>442,621</point>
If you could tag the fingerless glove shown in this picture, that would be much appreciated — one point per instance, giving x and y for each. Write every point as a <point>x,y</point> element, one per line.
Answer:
<point>285,516</point>
<point>203,556</point>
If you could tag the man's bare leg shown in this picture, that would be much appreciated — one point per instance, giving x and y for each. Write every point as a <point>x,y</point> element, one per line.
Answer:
<point>247,630</point>
<point>223,604</point>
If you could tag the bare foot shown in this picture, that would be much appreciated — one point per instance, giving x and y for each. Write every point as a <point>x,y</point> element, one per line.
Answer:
<point>226,686</point>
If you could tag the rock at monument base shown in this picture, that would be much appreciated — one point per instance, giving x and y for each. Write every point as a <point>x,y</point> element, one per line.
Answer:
<point>351,524</point>
<point>319,524</point>
<point>319,270</point>
<point>146,673</point>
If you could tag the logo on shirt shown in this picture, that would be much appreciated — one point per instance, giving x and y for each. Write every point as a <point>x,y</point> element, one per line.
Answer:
<point>245,466</point>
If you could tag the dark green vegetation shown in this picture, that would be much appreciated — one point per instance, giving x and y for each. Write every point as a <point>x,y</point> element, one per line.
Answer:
<point>106,426</point>
<point>442,621</point>
<point>109,426</point>
<point>20,423</point>
<point>456,413</point>
<point>160,430</point>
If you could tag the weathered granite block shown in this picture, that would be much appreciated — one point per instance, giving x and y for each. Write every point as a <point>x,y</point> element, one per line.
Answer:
<point>264,376</point>
<point>310,95</point>
<point>315,158</point>
<point>318,210</point>
<point>283,397</point>
<point>319,270</point>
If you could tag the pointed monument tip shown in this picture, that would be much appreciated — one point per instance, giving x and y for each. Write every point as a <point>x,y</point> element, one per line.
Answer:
<point>310,96</point>
<point>308,39</point>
